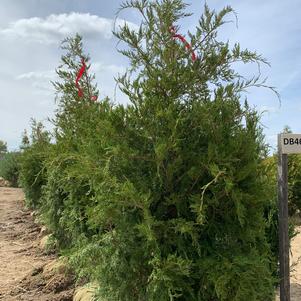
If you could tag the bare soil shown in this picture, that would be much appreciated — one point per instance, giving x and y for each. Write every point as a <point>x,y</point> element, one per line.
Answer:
<point>21,260</point>
<point>295,260</point>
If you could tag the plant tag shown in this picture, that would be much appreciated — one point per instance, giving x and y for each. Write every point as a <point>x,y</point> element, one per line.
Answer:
<point>290,143</point>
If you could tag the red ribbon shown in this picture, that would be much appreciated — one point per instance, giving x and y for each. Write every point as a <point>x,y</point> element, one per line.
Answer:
<point>183,40</point>
<point>79,76</point>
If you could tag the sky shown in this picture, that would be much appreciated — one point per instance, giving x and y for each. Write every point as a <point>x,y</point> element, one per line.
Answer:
<point>31,32</point>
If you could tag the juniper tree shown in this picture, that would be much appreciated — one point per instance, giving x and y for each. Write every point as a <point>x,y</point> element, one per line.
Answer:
<point>164,199</point>
<point>181,204</point>
<point>71,106</point>
<point>25,142</point>
<point>74,160</point>
<point>35,151</point>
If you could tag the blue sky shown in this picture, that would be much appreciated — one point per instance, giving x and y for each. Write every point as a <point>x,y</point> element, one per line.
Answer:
<point>31,31</point>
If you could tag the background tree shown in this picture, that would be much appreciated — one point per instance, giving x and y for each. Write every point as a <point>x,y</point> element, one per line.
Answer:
<point>9,164</point>
<point>3,148</point>
<point>25,140</point>
<point>34,151</point>
<point>9,168</point>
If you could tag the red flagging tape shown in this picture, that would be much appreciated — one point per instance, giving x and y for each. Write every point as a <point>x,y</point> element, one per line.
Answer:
<point>80,73</point>
<point>183,40</point>
<point>79,76</point>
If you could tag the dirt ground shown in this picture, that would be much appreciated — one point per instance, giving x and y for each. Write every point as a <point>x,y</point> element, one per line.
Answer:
<point>21,260</point>
<point>295,262</point>
<point>296,269</point>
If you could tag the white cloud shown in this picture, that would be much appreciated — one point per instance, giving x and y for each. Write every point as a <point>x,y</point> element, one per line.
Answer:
<point>98,67</point>
<point>40,80</point>
<point>34,75</point>
<point>56,27</point>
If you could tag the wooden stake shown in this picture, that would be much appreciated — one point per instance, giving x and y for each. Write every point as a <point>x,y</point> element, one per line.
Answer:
<point>283,225</point>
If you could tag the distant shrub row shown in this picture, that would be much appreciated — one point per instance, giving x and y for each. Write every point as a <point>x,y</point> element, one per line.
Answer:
<point>9,169</point>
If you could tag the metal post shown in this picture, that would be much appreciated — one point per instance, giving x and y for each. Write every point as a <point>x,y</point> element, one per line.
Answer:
<point>283,226</point>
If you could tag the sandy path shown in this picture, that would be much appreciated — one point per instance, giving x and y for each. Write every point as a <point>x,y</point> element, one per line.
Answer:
<point>296,269</point>
<point>295,261</point>
<point>21,261</point>
<point>14,260</point>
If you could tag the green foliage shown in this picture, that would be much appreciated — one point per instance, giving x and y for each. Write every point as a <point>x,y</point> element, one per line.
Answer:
<point>9,169</point>
<point>191,203</point>
<point>79,126</point>
<point>32,169</point>
<point>294,181</point>
<point>3,149</point>
<point>294,184</point>
<point>271,211</point>
<point>165,199</point>
<point>51,245</point>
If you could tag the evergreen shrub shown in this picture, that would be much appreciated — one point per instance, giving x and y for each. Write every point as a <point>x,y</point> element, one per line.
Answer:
<point>166,198</point>
<point>32,163</point>
<point>9,169</point>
